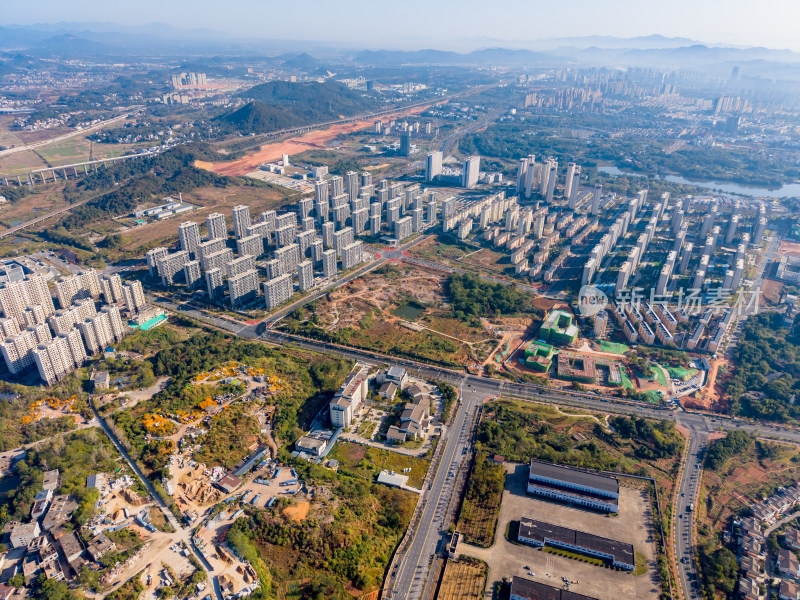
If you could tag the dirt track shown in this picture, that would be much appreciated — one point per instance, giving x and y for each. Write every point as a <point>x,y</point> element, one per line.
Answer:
<point>313,140</point>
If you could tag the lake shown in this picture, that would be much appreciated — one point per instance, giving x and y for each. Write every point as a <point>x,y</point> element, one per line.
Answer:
<point>728,187</point>
<point>409,312</point>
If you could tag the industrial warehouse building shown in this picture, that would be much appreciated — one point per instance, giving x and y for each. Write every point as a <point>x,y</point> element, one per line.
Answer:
<point>538,533</point>
<point>527,589</point>
<point>574,486</point>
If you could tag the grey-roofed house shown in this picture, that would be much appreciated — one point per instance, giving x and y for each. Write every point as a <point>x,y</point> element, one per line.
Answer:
<point>311,445</point>
<point>61,509</point>
<point>395,436</point>
<point>388,390</point>
<point>50,481</point>
<point>228,483</point>
<point>791,538</point>
<point>787,563</point>
<point>71,546</point>
<point>100,546</point>
<point>788,590</point>
<point>397,375</point>
<point>24,533</point>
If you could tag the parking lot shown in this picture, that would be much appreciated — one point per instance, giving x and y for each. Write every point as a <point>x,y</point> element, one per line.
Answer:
<point>632,525</point>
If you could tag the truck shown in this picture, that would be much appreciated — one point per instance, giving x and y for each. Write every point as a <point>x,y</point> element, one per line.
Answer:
<point>288,482</point>
<point>255,498</point>
<point>690,508</point>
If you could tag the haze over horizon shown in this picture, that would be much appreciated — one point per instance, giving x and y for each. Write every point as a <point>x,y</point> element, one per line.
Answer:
<point>417,23</point>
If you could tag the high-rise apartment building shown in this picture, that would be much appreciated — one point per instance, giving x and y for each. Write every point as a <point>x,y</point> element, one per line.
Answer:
<point>352,255</point>
<point>305,275</point>
<point>134,295</point>
<point>472,171</point>
<point>153,256</point>
<point>189,236</point>
<point>214,285</point>
<point>243,287</point>
<point>572,185</point>
<point>277,291</point>
<point>241,220</point>
<point>192,273</point>
<point>112,288</point>
<point>171,265</point>
<point>240,265</point>
<point>329,268</point>
<point>433,166</point>
<point>17,351</point>
<point>217,228</point>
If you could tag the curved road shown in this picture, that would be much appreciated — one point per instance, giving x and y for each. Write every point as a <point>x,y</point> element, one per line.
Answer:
<point>409,581</point>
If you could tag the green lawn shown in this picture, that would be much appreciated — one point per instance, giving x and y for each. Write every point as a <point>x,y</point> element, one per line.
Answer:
<point>613,347</point>
<point>368,462</point>
<point>641,563</point>
<point>366,429</point>
<point>681,373</point>
<point>626,382</point>
<point>660,376</point>
<point>654,397</point>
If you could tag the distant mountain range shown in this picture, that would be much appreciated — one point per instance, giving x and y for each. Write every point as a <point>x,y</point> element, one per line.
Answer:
<point>158,39</point>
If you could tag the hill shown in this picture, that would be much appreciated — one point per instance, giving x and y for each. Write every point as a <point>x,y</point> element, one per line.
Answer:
<point>261,118</point>
<point>281,104</point>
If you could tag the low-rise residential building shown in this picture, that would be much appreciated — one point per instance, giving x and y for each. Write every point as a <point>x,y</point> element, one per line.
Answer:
<point>311,445</point>
<point>787,563</point>
<point>23,534</point>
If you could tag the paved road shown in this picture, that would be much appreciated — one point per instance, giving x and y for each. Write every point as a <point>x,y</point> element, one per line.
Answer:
<point>684,518</point>
<point>414,564</point>
<point>411,577</point>
<point>447,142</point>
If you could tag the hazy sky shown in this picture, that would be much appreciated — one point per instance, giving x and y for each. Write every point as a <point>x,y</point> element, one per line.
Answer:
<point>437,23</point>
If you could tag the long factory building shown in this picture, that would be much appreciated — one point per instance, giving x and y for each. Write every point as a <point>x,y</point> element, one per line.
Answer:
<point>574,486</point>
<point>538,533</point>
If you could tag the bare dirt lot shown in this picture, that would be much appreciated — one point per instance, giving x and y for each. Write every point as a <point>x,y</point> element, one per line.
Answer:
<point>210,200</point>
<point>313,140</point>
<point>711,396</point>
<point>463,580</point>
<point>632,525</point>
<point>790,248</point>
<point>47,199</point>
<point>771,291</point>
<point>403,307</point>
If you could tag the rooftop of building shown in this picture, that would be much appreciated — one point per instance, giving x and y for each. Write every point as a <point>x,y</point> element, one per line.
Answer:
<point>532,529</point>
<point>574,475</point>
<point>533,590</point>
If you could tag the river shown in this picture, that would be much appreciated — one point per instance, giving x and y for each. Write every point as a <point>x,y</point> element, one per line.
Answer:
<point>728,187</point>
